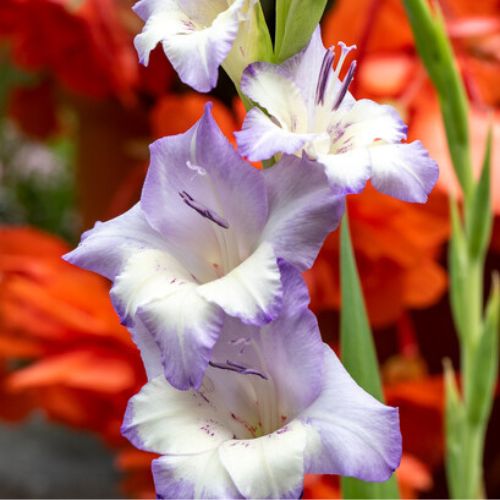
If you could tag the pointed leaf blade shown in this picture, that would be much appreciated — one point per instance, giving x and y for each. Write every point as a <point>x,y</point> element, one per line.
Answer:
<point>358,356</point>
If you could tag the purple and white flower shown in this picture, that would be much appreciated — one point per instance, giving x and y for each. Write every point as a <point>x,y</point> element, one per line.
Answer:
<point>275,404</point>
<point>309,110</point>
<point>205,241</point>
<point>197,35</point>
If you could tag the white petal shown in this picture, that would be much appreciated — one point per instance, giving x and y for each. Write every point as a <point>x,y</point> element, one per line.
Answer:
<point>148,275</point>
<point>261,138</point>
<point>348,431</point>
<point>273,88</point>
<point>155,288</point>
<point>252,291</point>
<point>160,24</point>
<point>148,349</point>
<point>347,172</point>
<point>404,171</point>
<point>271,466</point>
<point>195,49</point>
<point>193,476</point>
<point>368,121</point>
<point>163,420</point>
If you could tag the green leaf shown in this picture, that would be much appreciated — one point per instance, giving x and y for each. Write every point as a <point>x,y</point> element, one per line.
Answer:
<point>454,429</point>
<point>485,362</point>
<point>458,270</point>
<point>480,220</point>
<point>437,55</point>
<point>358,356</point>
<point>296,21</point>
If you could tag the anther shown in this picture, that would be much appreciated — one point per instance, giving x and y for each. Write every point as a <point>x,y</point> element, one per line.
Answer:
<point>345,85</point>
<point>234,367</point>
<point>324,75</point>
<point>203,210</point>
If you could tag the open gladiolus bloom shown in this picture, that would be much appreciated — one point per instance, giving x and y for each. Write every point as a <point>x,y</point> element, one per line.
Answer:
<point>274,395</point>
<point>173,292</point>
<point>310,111</point>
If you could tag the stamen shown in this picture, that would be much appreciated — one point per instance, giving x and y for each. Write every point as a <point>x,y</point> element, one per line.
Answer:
<point>324,75</point>
<point>233,367</point>
<point>345,50</point>
<point>345,85</point>
<point>203,210</point>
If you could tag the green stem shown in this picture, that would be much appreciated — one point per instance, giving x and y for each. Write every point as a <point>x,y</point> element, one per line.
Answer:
<point>472,464</point>
<point>473,432</point>
<point>474,304</point>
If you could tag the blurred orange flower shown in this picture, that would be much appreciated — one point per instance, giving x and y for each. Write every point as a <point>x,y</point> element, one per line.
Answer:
<point>413,478</point>
<point>57,324</point>
<point>389,69</point>
<point>84,44</point>
<point>390,238</point>
<point>187,109</point>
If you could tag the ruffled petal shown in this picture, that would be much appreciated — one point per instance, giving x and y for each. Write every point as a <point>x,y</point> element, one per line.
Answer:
<point>106,248</point>
<point>261,138</point>
<point>148,349</point>
<point>193,476</point>
<point>161,20</point>
<point>366,122</point>
<point>348,431</point>
<point>348,172</point>
<point>252,291</point>
<point>195,51</point>
<point>272,87</point>
<point>199,189</point>
<point>302,210</point>
<point>271,466</point>
<point>163,420</point>
<point>404,171</point>
<point>155,288</point>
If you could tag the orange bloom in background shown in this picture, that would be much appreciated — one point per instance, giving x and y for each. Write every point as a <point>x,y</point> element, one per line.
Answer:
<point>427,126</point>
<point>84,44</point>
<point>57,324</point>
<point>413,478</point>
<point>176,113</point>
<point>62,349</point>
<point>391,239</point>
<point>390,69</point>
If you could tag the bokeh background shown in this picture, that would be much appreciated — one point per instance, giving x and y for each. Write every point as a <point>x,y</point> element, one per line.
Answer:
<point>77,113</point>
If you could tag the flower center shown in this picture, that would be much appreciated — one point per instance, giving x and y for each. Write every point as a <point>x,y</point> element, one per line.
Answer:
<point>248,399</point>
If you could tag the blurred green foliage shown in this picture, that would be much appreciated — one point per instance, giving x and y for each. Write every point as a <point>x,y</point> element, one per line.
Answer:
<point>37,184</point>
